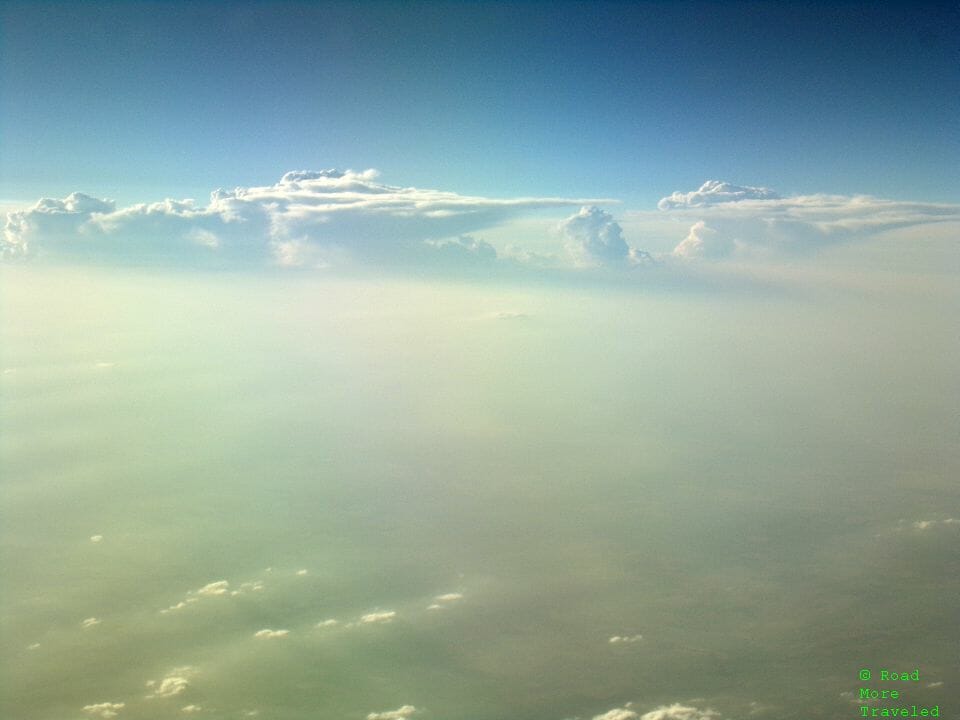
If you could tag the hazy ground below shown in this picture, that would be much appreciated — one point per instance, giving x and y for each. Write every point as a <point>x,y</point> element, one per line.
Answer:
<point>483,485</point>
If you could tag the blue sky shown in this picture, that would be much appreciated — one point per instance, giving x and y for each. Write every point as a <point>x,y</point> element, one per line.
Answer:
<point>137,101</point>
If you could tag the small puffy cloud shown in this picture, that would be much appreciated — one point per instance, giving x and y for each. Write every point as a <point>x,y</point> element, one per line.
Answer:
<point>301,572</point>
<point>33,646</point>
<point>220,587</point>
<point>617,639</point>
<point>190,709</point>
<point>173,684</point>
<point>929,524</point>
<point>679,712</point>
<point>399,714</point>
<point>307,219</point>
<point>268,633</point>
<point>96,538</point>
<point>90,622</point>
<point>730,221</point>
<point>449,597</point>
<point>327,623</point>
<point>378,617</point>
<point>617,714</point>
<point>104,709</point>
<point>509,315</point>
<point>714,192</point>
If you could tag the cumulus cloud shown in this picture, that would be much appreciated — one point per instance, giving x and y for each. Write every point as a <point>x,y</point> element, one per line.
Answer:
<point>220,587</point>
<point>378,617</point>
<point>617,639</point>
<point>90,622</point>
<point>96,538</point>
<point>617,714</point>
<point>714,192</point>
<point>173,684</point>
<point>679,712</point>
<point>593,238</point>
<point>327,623</point>
<point>399,714</point>
<point>268,633</point>
<point>104,709</point>
<point>928,524</point>
<point>449,597</point>
<point>729,221</point>
<point>307,219</point>
<point>190,709</point>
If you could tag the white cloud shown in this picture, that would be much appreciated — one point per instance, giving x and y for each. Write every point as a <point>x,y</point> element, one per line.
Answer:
<point>729,221</point>
<point>90,622</point>
<point>190,709</point>
<point>104,709</point>
<point>704,242</point>
<point>33,646</point>
<point>625,639</point>
<point>679,712</point>
<point>327,623</point>
<point>173,684</point>
<point>96,538</point>
<point>301,572</point>
<point>715,192</point>
<point>617,714</point>
<point>311,219</point>
<point>268,633</point>
<point>220,587</point>
<point>593,238</point>
<point>399,714</point>
<point>928,524</point>
<point>449,597</point>
<point>378,617</point>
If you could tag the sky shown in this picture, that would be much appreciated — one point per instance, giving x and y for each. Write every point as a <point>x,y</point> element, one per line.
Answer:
<point>471,361</point>
<point>631,101</point>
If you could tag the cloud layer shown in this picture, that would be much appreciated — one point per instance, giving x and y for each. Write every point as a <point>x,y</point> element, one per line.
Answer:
<point>330,217</point>
<point>730,221</point>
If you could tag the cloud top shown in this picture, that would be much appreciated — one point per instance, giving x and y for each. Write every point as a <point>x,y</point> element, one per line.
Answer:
<point>737,222</point>
<point>308,218</point>
<point>714,192</point>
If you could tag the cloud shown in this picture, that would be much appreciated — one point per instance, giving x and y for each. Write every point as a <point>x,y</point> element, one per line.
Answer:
<point>104,709</point>
<point>399,714</point>
<point>307,219</point>
<point>268,633</point>
<point>173,684</point>
<point>593,238</point>
<point>616,639</point>
<point>704,242</point>
<point>90,622</point>
<point>679,712</point>
<point>96,538</point>
<point>378,617</point>
<point>617,714</point>
<point>189,709</point>
<point>301,572</point>
<point>928,524</point>
<point>714,192</point>
<point>220,587</point>
<point>729,221</point>
<point>449,597</point>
